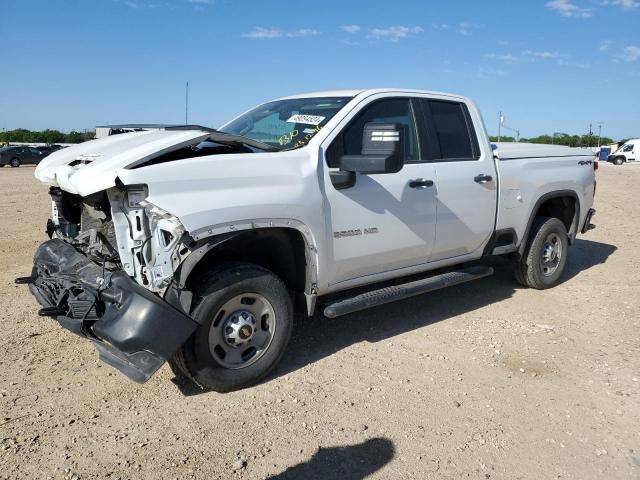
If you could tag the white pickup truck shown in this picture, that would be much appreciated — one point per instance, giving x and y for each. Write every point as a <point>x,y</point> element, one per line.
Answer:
<point>196,246</point>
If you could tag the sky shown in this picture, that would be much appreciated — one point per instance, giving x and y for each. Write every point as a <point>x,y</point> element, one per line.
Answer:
<point>549,65</point>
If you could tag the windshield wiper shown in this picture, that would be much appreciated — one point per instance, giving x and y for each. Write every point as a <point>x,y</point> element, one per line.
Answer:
<point>225,138</point>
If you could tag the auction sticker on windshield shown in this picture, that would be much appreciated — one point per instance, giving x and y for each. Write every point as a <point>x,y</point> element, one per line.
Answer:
<point>306,119</point>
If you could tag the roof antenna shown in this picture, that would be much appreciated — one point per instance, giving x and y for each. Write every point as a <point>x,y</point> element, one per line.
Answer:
<point>186,104</point>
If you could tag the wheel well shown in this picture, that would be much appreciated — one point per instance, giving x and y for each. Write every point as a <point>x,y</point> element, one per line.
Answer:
<point>562,208</point>
<point>563,205</point>
<point>280,250</point>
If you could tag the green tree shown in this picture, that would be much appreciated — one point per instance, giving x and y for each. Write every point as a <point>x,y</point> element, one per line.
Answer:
<point>45,136</point>
<point>74,137</point>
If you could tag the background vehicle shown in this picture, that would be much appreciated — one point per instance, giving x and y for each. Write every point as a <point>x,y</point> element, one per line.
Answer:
<point>16,156</point>
<point>196,245</point>
<point>628,152</point>
<point>48,149</point>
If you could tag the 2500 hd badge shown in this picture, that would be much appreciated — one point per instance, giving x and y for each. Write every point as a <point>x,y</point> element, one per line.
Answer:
<point>355,233</point>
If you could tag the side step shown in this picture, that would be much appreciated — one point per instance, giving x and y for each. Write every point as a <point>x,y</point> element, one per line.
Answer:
<point>410,289</point>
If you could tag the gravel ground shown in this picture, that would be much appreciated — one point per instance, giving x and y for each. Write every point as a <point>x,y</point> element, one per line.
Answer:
<point>483,380</point>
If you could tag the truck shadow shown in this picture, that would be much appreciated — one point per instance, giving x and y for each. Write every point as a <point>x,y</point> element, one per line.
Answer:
<point>337,463</point>
<point>319,337</point>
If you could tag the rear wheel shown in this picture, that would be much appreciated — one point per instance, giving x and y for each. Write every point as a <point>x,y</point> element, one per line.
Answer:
<point>246,318</point>
<point>545,256</point>
<point>15,162</point>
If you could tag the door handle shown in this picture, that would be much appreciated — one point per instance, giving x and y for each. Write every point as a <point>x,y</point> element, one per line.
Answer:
<point>482,178</point>
<point>420,183</point>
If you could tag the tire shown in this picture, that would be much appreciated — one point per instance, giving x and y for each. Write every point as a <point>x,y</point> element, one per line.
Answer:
<point>618,160</point>
<point>545,256</point>
<point>223,309</point>
<point>15,162</point>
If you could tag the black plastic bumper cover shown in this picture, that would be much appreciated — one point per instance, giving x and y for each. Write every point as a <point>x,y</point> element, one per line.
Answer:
<point>133,330</point>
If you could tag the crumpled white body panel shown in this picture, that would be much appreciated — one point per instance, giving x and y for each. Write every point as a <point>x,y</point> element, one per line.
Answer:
<point>99,161</point>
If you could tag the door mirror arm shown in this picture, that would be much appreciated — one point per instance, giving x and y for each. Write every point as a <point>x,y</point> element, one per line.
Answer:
<point>342,179</point>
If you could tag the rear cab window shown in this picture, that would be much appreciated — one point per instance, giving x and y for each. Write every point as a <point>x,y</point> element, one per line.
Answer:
<point>449,131</point>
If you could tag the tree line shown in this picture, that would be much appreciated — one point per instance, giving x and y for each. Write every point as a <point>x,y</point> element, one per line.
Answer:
<point>23,135</point>
<point>562,139</point>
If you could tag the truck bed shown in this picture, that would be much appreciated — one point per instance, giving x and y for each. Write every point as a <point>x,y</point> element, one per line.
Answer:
<point>525,177</point>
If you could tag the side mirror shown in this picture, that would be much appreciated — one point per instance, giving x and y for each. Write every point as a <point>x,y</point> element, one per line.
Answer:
<point>382,150</point>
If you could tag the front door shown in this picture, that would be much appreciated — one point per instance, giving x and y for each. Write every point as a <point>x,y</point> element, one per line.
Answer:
<point>383,222</point>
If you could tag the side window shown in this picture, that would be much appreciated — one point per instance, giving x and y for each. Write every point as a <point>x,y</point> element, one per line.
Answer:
<point>452,131</point>
<point>397,110</point>
<point>628,148</point>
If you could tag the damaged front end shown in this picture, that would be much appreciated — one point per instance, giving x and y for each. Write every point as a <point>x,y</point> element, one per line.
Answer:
<point>110,258</point>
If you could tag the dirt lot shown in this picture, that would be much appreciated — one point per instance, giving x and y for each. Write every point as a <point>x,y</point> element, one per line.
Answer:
<point>484,380</point>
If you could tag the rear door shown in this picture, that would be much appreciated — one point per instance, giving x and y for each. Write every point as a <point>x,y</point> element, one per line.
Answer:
<point>32,155</point>
<point>466,183</point>
<point>23,154</point>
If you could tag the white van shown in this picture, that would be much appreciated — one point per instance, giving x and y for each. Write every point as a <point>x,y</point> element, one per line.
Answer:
<point>628,152</point>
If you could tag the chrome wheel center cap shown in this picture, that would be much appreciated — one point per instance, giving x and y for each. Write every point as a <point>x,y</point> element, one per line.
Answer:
<point>549,254</point>
<point>239,328</point>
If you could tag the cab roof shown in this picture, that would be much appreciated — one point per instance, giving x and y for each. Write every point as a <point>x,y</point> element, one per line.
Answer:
<point>366,92</point>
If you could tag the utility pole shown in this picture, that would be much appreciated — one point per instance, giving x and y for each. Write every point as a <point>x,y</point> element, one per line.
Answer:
<point>599,132</point>
<point>590,133</point>
<point>186,104</point>
<point>500,122</point>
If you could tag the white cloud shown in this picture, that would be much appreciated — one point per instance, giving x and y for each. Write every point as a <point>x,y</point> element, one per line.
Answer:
<point>566,63</point>
<point>467,29</point>
<point>139,5</point>
<point>568,9</point>
<point>507,58</point>
<point>201,2</point>
<point>625,4</point>
<point>263,33</point>
<point>395,32</point>
<point>350,28</point>
<point>604,45</point>
<point>631,53</point>
<point>528,56</point>
<point>544,54</point>
<point>303,32</point>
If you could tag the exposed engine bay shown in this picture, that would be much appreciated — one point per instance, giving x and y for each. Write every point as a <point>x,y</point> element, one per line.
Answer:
<point>119,229</point>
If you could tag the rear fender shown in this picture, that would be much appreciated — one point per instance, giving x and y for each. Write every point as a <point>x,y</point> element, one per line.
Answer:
<point>572,231</point>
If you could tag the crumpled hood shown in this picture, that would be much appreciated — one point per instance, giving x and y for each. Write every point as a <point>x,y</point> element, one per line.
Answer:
<point>93,166</point>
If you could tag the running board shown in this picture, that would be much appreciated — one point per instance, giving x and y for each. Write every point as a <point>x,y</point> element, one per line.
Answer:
<point>406,290</point>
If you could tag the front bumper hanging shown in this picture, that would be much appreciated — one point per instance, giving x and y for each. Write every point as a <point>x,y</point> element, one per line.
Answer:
<point>133,330</point>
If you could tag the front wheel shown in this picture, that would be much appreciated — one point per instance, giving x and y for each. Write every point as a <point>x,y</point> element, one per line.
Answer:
<point>246,319</point>
<point>545,256</point>
<point>618,160</point>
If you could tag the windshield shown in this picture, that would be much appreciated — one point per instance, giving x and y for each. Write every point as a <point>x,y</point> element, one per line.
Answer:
<point>287,124</point>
